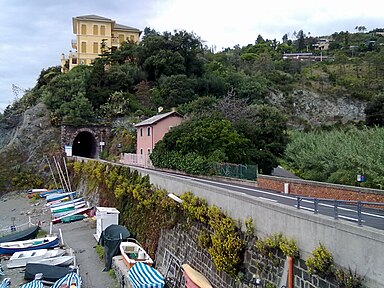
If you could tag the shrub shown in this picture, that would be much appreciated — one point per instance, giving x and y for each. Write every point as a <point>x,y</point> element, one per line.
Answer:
<point>321,262</point>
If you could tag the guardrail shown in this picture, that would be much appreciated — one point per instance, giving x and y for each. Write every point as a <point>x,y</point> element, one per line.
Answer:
<point>356,206</point>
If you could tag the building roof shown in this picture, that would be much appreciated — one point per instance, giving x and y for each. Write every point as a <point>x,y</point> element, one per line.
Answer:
<point>93,17</point>
<point>157,118</point>
<point>124,27</point>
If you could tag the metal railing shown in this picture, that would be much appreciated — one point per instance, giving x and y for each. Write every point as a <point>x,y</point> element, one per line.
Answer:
<point>354,206</point>
<point>248,172</point>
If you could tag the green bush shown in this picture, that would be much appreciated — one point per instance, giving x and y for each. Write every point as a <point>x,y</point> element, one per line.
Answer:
<point>321,262</point>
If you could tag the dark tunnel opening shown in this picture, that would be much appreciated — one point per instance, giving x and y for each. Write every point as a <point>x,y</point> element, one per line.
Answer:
<point>84,145</point>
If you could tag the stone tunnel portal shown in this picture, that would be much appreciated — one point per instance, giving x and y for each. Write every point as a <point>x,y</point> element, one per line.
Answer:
<point>84,145</point>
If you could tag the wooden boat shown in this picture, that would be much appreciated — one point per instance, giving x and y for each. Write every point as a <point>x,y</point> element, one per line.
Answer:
<point>143,276</point>
<point>71,280</point>
<point>8,248</point>
<point>50,273</point>
<point>20,259</point>
<point>58,196</point>
<point>133,253</point>
<point>25,234</point>
<point>56,261</point>
<point>84,210</point>
<point>193,278</point>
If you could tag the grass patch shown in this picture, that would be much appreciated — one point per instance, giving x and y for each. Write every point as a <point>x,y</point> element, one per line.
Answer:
<point>100,251</point>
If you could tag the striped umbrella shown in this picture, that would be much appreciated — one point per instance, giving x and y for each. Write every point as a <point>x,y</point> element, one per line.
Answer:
<point>72,279</point>
<point>144,276</point>
<point>33,284</point>
<point>5,283</point>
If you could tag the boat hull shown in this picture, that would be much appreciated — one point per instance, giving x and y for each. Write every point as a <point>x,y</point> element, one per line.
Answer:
<point>56,261</point>
<point>25,234</point>
<point>20,259</point>
<point>8,248</point>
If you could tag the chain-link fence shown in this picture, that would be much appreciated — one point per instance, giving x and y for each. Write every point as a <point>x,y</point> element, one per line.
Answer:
<point>240,171</point>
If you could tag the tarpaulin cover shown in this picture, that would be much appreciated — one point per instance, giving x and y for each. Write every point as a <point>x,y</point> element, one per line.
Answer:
<point>144,276</point>
<point>110,239</point>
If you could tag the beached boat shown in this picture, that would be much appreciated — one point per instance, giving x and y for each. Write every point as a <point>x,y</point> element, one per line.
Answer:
<point>46,193</point>
<point>144,276</point>
<point>84,210</point>
<point>26,234</point>
<point>133,253</point>
<point>68,207</point>
<point>58,196</point>
<point>193,278</point>
<point>71,280</point>
<point>49,204</point>
<point>8,248</point>
<point>73,218</point>
<point>33,192</point>
<point>50,273</point>
<point>56,261</point>
<point>20,259</point>
<point>64,202</point>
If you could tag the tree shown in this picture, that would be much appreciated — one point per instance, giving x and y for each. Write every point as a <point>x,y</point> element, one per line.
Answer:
<point>173,91</point>
<point>374,112</point>
<point>211,137</point>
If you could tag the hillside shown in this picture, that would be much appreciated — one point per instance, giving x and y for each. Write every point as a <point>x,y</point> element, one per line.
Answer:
<point>26,139</point>
<point>167,70</point>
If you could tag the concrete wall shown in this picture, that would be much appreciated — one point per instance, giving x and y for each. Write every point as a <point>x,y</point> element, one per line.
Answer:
<point>352,246</point>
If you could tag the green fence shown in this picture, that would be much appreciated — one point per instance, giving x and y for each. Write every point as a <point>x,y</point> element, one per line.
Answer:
<point>240,171</point>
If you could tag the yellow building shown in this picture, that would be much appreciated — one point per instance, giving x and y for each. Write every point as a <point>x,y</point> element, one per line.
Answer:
<point>90,31</point>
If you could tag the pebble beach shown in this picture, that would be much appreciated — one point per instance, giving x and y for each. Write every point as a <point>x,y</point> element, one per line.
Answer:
<point>16,209</point>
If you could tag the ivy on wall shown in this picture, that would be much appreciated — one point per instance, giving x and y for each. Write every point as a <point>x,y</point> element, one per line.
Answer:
<point>145,210</point>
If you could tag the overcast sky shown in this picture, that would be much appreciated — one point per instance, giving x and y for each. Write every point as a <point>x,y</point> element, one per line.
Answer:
<point>34,33</point>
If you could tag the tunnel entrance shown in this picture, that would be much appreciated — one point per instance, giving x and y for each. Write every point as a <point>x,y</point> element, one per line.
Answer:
<point>84,145</point>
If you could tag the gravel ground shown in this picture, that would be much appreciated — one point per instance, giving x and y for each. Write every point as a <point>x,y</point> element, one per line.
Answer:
<point>16,208</point>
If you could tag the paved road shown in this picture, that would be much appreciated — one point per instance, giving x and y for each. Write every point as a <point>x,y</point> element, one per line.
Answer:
<point>369,216</point>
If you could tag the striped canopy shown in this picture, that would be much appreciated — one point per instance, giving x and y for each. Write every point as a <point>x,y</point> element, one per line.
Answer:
<point>144,276</point>
<point>5,283</point>
<point>69,279</point>
<point>33,284</point>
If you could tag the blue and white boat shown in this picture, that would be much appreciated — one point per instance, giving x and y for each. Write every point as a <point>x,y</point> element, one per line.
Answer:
<point>8,248</point>
<point>58,204</point>
<point>46,193</point>
<point>58,196</point>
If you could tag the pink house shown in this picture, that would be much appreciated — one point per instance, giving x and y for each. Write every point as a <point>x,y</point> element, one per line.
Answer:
<point>153,129</point>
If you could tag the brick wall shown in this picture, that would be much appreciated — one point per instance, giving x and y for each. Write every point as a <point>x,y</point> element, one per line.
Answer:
<point>319,189</point>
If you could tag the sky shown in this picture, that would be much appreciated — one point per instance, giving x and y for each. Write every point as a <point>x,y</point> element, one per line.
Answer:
<point>34,33</point>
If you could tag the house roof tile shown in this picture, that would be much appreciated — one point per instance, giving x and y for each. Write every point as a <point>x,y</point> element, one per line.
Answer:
<point>157,118</point>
